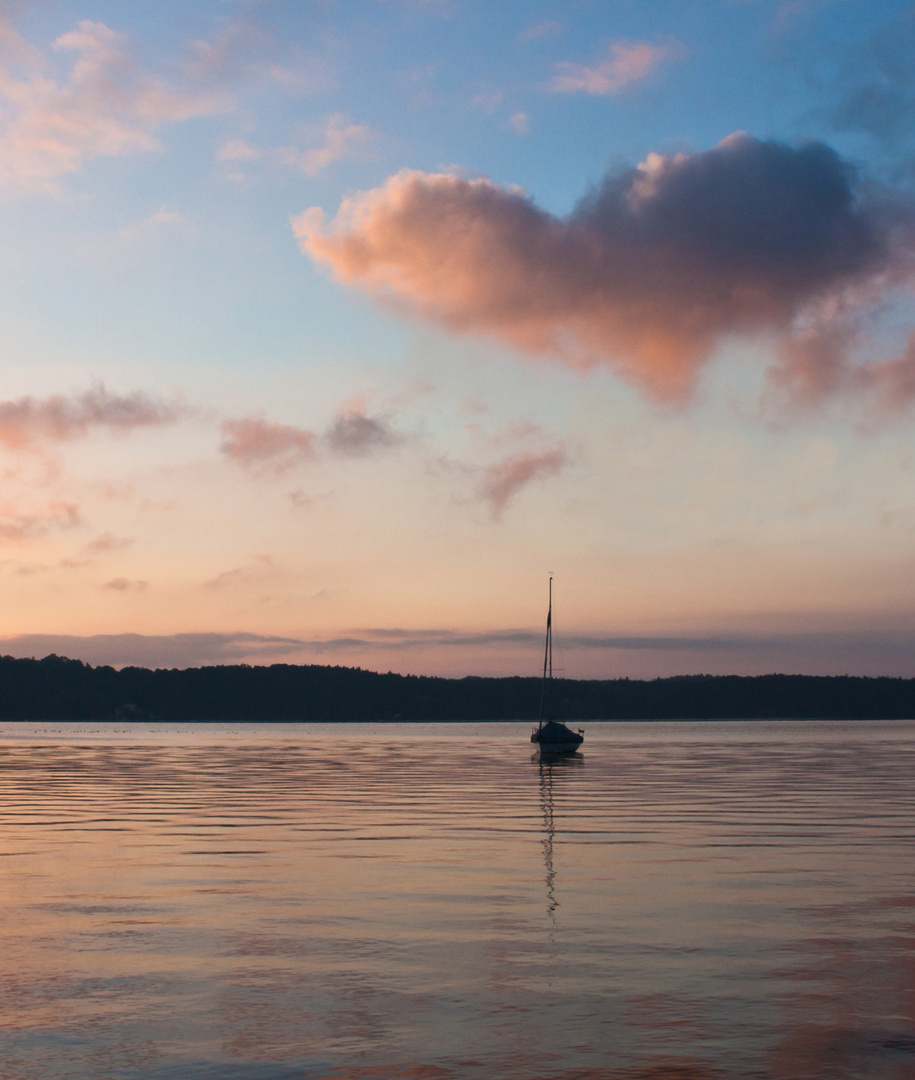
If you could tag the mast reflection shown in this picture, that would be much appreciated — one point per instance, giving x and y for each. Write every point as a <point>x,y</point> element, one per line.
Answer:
<point>552,769</point>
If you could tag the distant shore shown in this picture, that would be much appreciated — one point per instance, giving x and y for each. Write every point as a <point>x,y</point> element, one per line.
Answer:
<point>58,689</point>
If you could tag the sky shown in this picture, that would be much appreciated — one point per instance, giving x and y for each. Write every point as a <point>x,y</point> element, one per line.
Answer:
<point>330,330</point>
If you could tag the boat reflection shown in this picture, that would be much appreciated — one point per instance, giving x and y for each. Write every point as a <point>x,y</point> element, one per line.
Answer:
<point>552,769</point>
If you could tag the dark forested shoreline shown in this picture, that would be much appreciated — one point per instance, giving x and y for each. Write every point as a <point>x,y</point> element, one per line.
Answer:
<point>56,688</point>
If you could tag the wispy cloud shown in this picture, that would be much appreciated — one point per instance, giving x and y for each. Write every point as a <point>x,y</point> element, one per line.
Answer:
<point>356,433</point>
<point>873,86</point>
<point>165,216</point>
<point>342,139</point>
<point>256,570</point>
<point>31,569</point>
<point>520,124</point>
<point>121,584</point>
<point>543,31</point>
<point>829,651</point>
<point>238,54</point>
<point>263,444</point>
<point>108,107</point>
<point>151,225</point>
<point>18,524</point>
<point>487,101</point>
<point>108,542</point>
<point>29,422</point>
<point>501,463</point>
<point>305,75</point>
<point>238,150</point>
<point>629,62</point>
<point>150,650</point>
<point>504,479</point>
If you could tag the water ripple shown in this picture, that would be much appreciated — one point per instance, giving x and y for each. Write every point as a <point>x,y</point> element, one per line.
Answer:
<point>422,902</point>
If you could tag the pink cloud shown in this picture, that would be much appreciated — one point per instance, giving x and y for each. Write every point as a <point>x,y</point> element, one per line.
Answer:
<point>151,225</point>
<point>472,406</point>
<point>120,584</point>
<point>543,31</point>
<point>240,53</point>
<point>889,383</point>
<point>630,62</point>
<point>258,570</point>
<point>355,433</point>
<point>506,478</point>
<point>108,542</point>
<point>815,363</point>
<point>520,124</point>
<point>31,569</point>
<point>487,101</point>
<point>238,150</point>
<point>812,362</point>
<point>341,139</point>
<point>651,271</point>
<point>108,107</point>
<point>28,421</point>
<point>262,443</point>
<point>18,525</point>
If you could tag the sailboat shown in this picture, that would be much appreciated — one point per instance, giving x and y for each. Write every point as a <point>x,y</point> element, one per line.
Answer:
<point>551,736</point>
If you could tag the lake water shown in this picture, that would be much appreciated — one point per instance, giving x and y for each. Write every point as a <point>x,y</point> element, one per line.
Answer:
<point>695,901</point>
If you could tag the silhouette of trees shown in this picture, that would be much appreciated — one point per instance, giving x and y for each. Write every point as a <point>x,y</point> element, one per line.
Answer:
<point>56,688</point>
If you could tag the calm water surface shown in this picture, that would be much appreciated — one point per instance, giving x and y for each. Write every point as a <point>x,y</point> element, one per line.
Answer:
<point>680,902</point>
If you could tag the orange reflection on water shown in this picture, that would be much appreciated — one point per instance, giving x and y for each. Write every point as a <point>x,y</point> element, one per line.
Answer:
<point>677,903</point>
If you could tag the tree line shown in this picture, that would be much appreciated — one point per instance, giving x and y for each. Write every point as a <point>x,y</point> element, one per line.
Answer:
<point>56,688</point>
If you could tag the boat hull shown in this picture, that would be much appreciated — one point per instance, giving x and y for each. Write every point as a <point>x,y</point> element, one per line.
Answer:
<point>557,749</point>
<point>555,738</point>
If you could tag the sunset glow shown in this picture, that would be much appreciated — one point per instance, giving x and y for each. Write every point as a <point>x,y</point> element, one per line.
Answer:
<point>332,329</point>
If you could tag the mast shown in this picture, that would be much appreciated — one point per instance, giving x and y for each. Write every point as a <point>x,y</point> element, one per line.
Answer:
<point>546,688</point>
<point>549,685</point>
